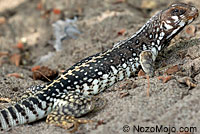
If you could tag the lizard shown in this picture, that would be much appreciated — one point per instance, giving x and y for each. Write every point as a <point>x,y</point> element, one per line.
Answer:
<point>70,96</point>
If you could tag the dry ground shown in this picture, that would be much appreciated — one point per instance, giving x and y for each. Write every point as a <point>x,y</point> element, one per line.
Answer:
<point>170,104</point>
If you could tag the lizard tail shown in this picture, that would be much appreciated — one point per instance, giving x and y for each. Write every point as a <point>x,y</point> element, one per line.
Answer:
<point>23,112</point>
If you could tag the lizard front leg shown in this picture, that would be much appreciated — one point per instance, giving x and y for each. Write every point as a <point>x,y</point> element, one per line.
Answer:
<point>147,59</point>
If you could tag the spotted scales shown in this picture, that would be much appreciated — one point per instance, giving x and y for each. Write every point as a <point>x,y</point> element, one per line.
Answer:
<point>70,96</point>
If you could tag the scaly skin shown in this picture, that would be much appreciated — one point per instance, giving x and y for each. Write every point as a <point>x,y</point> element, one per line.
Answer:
<point>69,96</point>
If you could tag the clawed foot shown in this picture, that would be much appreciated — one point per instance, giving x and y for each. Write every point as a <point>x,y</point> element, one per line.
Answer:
<point>69,122</point>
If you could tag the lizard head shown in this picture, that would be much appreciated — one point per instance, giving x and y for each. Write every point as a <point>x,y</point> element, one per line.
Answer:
<point>176,17</point>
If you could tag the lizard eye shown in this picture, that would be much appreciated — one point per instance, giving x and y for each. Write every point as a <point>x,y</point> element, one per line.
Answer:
<point>181,11</point>
<point>177,12</point>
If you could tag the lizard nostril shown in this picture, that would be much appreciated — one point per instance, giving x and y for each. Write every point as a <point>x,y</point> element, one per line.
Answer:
<point>194,9</point>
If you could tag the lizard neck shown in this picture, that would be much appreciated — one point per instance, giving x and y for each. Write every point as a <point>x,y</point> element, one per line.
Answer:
<point>151,36</point>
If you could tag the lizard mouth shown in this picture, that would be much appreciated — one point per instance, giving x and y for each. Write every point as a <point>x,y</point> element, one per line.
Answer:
<point>193,15</point>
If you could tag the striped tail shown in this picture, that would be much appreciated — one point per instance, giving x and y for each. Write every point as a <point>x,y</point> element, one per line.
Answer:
<point>26,111</point>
